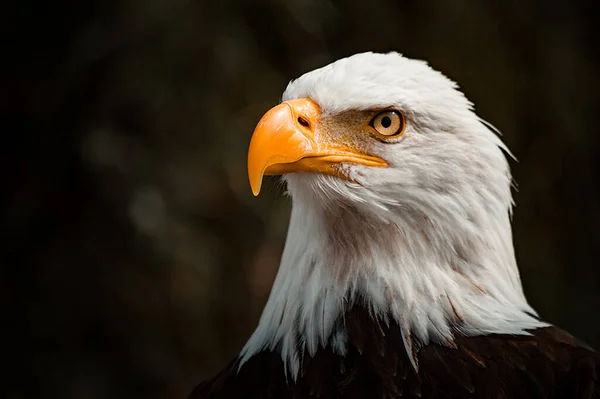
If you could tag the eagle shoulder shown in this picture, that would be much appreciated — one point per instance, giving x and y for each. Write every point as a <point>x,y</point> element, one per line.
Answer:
<point>548,364</point>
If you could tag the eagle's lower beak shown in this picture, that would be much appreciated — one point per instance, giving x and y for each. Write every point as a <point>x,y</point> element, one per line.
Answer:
<point>284,141</point>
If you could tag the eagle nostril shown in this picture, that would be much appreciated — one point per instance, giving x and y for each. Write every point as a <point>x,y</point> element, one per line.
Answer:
<point>303,122</point>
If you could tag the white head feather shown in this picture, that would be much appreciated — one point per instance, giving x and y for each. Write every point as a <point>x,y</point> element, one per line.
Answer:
<point>425,242</point>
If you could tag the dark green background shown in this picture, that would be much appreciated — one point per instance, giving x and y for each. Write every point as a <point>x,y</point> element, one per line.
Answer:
<point>135,260</point>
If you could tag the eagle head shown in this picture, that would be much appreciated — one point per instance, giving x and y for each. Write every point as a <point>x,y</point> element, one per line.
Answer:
<point>381,131</point>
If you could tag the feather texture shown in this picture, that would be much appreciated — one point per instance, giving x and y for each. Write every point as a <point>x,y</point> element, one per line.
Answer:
<point>550,363</point>
<point>425,241</point>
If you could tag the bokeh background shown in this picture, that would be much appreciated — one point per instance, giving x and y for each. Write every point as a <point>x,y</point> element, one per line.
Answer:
<point>135,261</point>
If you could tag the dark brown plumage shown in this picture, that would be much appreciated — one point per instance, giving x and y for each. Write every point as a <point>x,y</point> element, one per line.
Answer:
<point>549,364</point>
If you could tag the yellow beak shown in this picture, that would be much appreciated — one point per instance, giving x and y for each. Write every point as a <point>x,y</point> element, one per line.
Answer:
<point>284,142</point>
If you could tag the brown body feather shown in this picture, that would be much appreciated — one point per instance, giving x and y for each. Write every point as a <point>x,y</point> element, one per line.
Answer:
<point>548,364</point>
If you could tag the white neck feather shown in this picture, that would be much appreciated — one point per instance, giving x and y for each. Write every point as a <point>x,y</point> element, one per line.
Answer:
<point>434,282</point>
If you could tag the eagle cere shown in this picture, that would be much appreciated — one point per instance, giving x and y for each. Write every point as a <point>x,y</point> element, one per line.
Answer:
<point>398,276</point>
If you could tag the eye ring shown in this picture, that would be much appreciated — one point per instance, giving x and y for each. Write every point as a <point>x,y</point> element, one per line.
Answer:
<point>389,123</point>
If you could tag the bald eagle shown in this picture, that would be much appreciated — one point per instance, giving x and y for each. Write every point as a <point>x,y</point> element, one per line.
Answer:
<point>398,278</point>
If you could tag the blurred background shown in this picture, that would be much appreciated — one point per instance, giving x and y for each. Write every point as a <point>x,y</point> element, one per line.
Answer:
<point>135,260</point>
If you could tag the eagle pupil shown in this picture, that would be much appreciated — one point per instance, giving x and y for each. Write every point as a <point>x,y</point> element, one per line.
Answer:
<point>386,122</point>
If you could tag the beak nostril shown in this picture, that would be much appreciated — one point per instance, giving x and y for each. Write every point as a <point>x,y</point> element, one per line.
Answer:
<point>303,122</point>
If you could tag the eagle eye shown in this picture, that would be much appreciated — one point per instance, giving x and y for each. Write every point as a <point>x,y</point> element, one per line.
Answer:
<point>389,123</point>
